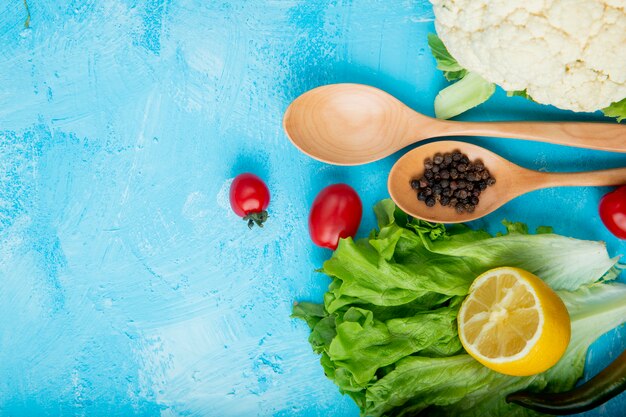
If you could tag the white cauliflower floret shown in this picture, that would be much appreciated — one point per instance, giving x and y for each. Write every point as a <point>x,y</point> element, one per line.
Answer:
<point>568,53</point>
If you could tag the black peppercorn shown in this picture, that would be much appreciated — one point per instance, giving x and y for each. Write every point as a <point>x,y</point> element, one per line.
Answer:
<point>452,180</point>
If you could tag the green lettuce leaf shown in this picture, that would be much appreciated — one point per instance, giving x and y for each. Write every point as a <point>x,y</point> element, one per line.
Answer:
<point>387,330</point>
<point>363,344</point>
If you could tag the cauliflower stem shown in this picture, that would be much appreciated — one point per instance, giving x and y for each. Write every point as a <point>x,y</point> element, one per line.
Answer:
<point>463,95</point>
<point>469,91</point>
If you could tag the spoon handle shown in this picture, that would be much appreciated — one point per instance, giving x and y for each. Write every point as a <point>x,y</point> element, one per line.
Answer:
<point>615,176</point>
<point>601,136</point>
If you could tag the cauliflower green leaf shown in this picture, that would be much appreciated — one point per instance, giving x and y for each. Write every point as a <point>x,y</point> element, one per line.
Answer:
<point>617,110</point>
<point>445,62</point>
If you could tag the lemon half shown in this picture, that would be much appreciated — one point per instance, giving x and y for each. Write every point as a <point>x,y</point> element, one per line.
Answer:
<point>513,323</point>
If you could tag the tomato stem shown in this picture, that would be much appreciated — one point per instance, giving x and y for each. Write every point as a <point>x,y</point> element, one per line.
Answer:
<point>256,218</point>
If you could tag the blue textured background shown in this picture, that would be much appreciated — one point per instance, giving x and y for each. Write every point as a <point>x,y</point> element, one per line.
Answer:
<point>127,286</point>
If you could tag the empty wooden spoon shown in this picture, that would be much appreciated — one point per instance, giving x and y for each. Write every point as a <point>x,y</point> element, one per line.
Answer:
<point>352,124</point>
<point>511,181</point>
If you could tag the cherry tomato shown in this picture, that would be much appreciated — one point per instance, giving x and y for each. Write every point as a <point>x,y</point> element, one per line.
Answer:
<point>249,198</point>
<point>335,213</point>
<point>613,211</point>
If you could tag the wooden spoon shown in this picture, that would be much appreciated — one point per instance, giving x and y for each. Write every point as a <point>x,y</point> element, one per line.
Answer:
<point>352,124</point>
<point>511,181</point>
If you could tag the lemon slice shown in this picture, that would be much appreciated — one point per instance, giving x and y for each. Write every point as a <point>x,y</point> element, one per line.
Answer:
<point>513,323</point>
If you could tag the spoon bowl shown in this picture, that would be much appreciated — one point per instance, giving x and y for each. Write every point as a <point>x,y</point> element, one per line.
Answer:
<point>352,124</point>
<point>511,181</point>
<point>347,124</point>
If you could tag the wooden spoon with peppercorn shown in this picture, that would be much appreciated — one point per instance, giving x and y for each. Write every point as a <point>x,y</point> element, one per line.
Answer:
<point>353,124</point>
<point>455,182</point>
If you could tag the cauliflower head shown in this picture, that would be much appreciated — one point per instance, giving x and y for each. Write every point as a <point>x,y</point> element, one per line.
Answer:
<point>568,53</point>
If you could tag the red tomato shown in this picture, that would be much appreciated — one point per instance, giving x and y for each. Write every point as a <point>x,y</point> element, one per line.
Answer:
<point>335,213</point>
<point>613,211</point>
<point>249,197</point>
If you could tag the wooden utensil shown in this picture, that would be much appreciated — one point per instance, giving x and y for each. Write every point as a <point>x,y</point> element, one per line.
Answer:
<point>511,181</point>
<point>352,124</point>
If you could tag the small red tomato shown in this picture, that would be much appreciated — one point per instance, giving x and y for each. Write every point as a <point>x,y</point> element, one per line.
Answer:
<point>249,198</point>
<point>335,213</point>
<point>613,211</point>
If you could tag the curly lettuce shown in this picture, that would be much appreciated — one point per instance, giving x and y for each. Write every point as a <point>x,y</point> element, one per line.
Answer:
<point>387,330</point>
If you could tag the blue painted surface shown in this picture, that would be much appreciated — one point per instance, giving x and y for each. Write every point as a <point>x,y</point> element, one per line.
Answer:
<point>128,286</point>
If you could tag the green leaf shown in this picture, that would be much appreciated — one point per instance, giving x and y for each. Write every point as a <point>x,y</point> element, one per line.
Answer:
<point>364,344</point>
<point>445,62</point>
<point>310,312</point>
<point>519,93</point>
<point>562,262</point>
<point>515,227</point>
<point>617,110</point>
<point>463,95</point>
<point>544,230</point>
